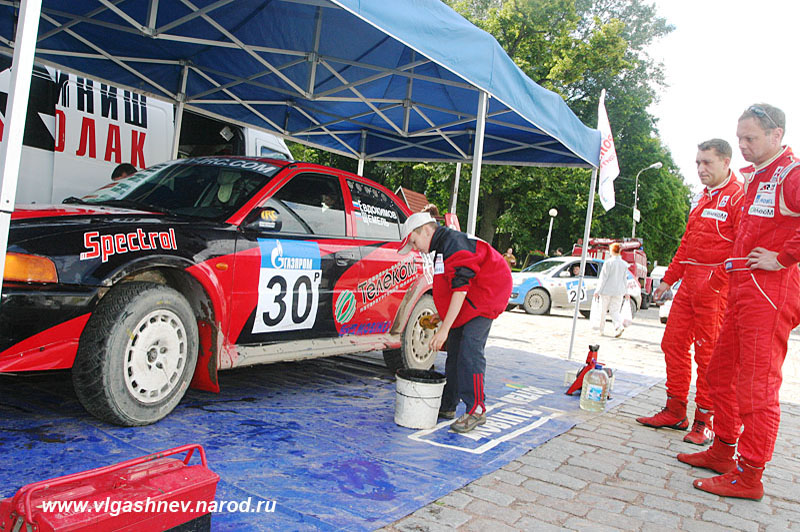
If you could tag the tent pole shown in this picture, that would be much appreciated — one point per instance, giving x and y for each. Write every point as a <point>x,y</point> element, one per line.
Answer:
<point>454,195</point>
<point>176,139</point>
<point>363,152</point>
<point>477,157</point>
<point>584,247</point>
<point>19,90</point>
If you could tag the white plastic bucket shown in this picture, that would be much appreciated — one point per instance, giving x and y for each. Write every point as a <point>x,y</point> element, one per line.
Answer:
<point>419,395</point>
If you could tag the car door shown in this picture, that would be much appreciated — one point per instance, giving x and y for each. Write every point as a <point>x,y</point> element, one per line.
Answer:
<point>296,250</point>
<point>384,274</point>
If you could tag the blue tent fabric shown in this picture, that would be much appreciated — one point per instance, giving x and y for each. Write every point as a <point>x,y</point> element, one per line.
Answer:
<point>365,78</point>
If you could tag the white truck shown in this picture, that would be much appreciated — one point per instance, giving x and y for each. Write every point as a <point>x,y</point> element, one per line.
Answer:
<point>78,130</point>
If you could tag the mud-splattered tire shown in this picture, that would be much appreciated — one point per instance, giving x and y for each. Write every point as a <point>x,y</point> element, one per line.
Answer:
<point>137,354</point>
<point>537,301</point>
<point>414,352</point>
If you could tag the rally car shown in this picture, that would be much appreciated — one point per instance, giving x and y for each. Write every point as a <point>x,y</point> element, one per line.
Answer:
<point>553,283</point>
<point>192,266</point>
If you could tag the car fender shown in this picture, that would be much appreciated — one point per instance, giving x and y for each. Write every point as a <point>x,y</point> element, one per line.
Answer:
<point>525,286</point>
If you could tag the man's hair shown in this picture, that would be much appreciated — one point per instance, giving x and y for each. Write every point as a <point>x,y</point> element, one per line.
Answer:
<point>123,169</point>
<point>718,145</point>
<point>768,116</point>
<point>615,248</point>
<point>431,209</point>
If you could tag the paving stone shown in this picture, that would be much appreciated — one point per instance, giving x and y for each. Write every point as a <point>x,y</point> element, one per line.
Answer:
<point>582,525</point>
<point>594,500</point>
<point>620,522</point>
<point>582,473</point>
<point>595,465</point>
<point>569,507</point>
<point>705,526</point>
<point>657,517</point>
<point>553,477</point>
<point>493,511</point>
<point>550,515</point>
<point>512,466</point>
<point>442,515</point>
<point>483,524</point>
<point>509,477</point>
<point>550,490</point>
<point>534,525</point>
<point>520,493</point>
<point>648,470</point>
<point>488,494</point>
<point>416,524</point>
<point>726,519</point>
<point>456,499</point>
<point>641,478</point>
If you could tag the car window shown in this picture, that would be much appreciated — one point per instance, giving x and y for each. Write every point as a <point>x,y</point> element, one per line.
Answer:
<point>592,269</point>
<point>311,204</point>
<point>375,214</point>
<point>207,188</point>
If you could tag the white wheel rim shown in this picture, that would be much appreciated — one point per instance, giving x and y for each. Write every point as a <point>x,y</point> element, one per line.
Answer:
<point>420,353</point>
<point>155,356</point>
<point>535,301</point>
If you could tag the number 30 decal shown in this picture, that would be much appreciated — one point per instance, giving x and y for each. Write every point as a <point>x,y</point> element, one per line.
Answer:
<point>288,286</point>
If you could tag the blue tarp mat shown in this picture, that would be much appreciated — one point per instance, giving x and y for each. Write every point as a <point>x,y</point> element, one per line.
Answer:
<point>317,437</point>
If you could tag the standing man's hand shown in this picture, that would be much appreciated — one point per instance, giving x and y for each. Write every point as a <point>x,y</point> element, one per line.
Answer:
<point>662,288</point>
<point>763,259</point>
<point>439,338</point>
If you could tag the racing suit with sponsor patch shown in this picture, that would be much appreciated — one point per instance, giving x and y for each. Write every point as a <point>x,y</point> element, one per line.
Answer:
<point>764,306</point>
<point>696,313</point>
<point>468,265</point>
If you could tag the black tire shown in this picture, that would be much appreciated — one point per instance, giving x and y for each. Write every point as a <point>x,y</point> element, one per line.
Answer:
<point>634,307</point>
<point>511,307</point>
<point>137,354</point>
<point>413,352</point>
<point>586,313</point>
<point>537,301</point>
<point>663,320</point>
<point>645,301</point>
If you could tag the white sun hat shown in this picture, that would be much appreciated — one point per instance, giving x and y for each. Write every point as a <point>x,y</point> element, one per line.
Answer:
<point>415,221</point>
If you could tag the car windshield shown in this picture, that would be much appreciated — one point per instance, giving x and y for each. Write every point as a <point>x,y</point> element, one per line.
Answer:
<point>543,266</point>
<point>210,188</point>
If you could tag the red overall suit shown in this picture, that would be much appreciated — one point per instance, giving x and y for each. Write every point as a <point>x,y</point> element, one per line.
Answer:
<point>744,374</point>
<point>696,313</point>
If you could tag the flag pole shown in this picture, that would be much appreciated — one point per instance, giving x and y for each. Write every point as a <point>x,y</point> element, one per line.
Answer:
<point>584,247</point>
<point>607,170</point>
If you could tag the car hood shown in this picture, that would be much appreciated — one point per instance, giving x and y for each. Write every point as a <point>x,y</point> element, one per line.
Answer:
<point>24,212</point>
<point>518,277</point>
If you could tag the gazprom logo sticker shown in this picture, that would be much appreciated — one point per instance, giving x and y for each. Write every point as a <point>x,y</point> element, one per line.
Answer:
<point>345,306</point>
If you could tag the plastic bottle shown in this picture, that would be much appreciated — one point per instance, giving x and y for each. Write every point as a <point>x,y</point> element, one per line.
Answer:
<point>594,393</point>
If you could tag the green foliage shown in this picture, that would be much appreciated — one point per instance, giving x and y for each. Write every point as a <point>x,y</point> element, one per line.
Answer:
<point>575,48</point>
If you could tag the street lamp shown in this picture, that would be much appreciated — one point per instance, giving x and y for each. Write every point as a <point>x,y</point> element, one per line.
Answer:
<point>636,195</point>
<point>553,213</point>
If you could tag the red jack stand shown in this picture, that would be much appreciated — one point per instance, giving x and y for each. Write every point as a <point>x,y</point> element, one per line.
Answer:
<point>591,361</point>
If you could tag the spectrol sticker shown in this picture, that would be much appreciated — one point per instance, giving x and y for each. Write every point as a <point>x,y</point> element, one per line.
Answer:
<point>288,285</point>
<point>104,246</point>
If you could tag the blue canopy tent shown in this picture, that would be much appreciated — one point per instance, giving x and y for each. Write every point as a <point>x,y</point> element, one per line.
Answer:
<point>369,79</point>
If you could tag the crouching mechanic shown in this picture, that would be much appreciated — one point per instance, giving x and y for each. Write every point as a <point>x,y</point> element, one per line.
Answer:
<point>471,287</point>
<point>696,313</point>
<point>744,374</point>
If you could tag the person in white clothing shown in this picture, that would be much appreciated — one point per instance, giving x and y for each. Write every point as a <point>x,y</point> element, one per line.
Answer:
<point>611,289</point>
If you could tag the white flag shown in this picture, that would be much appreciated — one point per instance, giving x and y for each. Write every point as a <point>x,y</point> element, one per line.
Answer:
<point>609,165</point>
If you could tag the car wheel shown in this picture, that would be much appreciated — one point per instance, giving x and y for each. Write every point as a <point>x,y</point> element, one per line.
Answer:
<point>645,301</point>
<point>537,301</point>
<point>511,307</point>
<point>414,352</point>
<point>634,307</point>
<point>137,354</point>
<point>586,313</point>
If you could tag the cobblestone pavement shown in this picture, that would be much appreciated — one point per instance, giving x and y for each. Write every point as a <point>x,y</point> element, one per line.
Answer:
<point>608,472</point>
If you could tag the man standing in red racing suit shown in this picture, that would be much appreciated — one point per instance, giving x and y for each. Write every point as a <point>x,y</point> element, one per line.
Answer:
<point>696,315</point>
<point>471,287</point>
<point>744,374</point>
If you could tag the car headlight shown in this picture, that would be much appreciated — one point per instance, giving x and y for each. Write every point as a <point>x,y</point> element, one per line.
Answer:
<point>29,269</point>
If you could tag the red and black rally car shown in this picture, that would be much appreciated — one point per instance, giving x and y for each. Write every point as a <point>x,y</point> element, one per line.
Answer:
<point>163,278</point>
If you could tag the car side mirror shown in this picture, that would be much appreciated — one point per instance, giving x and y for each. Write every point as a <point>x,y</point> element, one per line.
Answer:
<point>565,273</point>
<point>263,219</point>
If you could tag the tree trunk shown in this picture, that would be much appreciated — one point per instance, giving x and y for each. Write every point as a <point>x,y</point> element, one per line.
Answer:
<point>490,207</point>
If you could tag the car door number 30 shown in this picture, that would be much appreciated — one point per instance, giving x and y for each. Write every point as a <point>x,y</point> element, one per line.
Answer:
<point>288,292</point>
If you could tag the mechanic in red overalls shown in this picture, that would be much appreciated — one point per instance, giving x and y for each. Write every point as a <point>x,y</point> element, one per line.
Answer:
<point>744,374</point>
<point>471,287</point>
<point>696,314</point>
